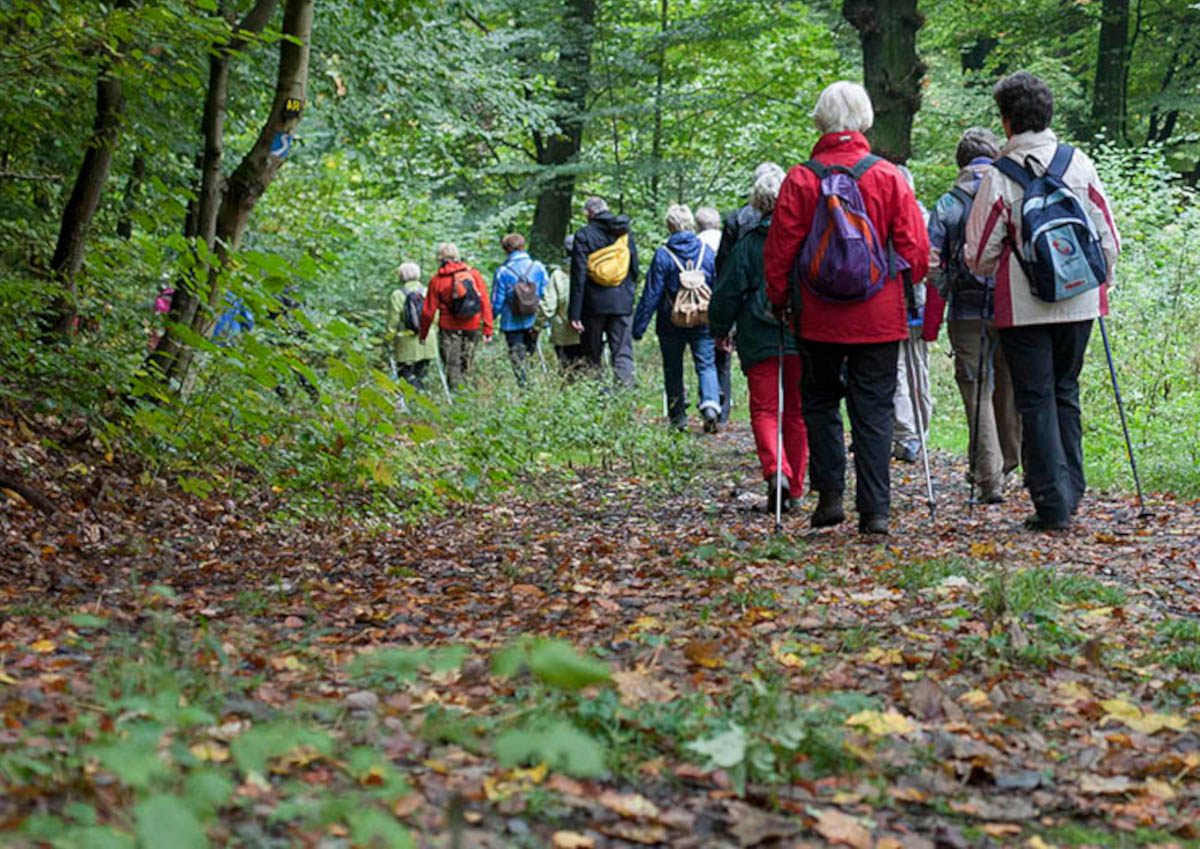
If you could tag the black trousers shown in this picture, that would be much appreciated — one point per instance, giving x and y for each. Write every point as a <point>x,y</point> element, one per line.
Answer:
<point>521,343</point>
<point>617,331</point>
<point>865,375</point>
<point>1045,360</point>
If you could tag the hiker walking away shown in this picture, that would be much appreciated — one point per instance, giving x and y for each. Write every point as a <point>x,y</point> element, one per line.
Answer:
<point>906,441</point>
<point>1042,226</point>
<point>708,230</point>
<point>604,275</point>
<point>995,429</point>
<point>458,298</point>
<point>849,315</point>
<point>740,297</point>
<point>405,308</point>
<point>683,263</point>
<point>555,314</point>
<point>517,289</point>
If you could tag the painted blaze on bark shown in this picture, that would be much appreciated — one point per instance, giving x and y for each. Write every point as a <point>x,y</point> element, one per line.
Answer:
<point>892,70</point>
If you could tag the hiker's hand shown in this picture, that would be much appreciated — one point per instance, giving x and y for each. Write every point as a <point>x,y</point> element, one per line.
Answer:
<point>487,340</point>
<point>725,344</point>
<point>533,335</point>
<point>577,326</point>
<point>783,313</point>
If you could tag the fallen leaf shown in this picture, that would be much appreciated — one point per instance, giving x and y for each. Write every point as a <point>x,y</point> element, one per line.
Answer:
<point>1129,714</point>
<point>704,653</point>
<point>1104,785</point>
<point>629,805</point>
<point>636,687</point>
<point>975,699</point>
<point>572,840</point>
<point>881,724</point>
<point>43,646</point>
<point>837,827</point>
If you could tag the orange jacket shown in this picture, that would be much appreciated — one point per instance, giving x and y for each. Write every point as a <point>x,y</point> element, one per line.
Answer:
<point>437,300</point>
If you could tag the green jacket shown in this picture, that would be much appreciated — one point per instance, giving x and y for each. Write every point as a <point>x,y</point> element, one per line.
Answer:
<point>554,309</point>
<point>740,282</point>
<point>408,348</point>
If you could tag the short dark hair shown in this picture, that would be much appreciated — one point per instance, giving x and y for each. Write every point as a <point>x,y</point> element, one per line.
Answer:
<point>974,143</point>
<point>512,242</point>
<point>1025,101</point>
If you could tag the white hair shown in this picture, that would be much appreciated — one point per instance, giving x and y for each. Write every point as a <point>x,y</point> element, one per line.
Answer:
<point>844,107</point>
<point>765,192</point>
<point>447,252</point>
<point>594,206</point>
<point>765,168</point>
<point>679,218</point>
<point>409,271</point>
<point>708,218</point>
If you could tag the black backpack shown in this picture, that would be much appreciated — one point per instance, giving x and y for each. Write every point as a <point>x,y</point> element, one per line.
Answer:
<point>414,305</point>
<point>965,288</point>
<point>464,297</point>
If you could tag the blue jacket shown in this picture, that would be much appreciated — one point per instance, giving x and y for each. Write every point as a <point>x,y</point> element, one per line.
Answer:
<point>662,280</point>
<point>506,277</point>
<point>947,213</point>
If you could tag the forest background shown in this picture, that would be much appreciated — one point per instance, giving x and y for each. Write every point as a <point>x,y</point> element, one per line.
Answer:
<point>136,155</point>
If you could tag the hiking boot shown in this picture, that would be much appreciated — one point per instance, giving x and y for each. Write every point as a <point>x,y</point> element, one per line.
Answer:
<point>679,426</point>
<point>993,496</point>
<point>829,510</point>
<point>907,453</point>
<point>874,525</point>
<point>711,423</point>
<point>1038,523</point>
<point>785,492</point>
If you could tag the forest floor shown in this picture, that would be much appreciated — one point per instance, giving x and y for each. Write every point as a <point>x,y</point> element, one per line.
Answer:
<point>182,672</point>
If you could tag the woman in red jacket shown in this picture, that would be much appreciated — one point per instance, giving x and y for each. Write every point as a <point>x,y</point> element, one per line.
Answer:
<point>849,347</point>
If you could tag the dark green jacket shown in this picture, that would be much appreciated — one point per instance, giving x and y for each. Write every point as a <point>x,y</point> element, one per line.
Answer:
<point>740,281</point>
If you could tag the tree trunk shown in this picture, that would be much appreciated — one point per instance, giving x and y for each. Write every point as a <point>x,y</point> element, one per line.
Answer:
<point>171,356</point>
<point>1108,95</point>
<point>133,188</point>
<point>84,201</point>
<point>552,216</point>
<point>892,71</point>
<point>656,143</point>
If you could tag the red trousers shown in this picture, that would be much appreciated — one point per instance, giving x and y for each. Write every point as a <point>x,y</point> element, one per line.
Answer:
<point>764,403</point>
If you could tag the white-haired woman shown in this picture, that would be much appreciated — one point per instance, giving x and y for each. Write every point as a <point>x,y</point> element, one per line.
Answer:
<point>682,250</point>
<point>850,317</point>
<point>458,299</point>
<point>404,327</point>
<point>763,345</point>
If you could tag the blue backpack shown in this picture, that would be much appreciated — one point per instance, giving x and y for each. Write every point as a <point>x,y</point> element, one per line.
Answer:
<point>1060,252</point>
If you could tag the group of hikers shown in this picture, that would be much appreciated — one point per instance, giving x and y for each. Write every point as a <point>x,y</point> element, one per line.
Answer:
<point>830,281</point>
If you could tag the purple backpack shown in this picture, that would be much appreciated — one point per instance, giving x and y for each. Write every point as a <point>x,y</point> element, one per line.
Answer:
<point>842,260</point>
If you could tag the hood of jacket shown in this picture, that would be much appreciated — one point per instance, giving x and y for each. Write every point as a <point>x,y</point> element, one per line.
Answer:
<point>614,225</point>
<point>968,178</point>
<point>686,245</point>
<point>1037,146</point>
<point>450,268</point>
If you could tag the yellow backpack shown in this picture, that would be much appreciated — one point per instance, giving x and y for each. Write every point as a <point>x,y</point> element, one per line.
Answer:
<point>609,266</point>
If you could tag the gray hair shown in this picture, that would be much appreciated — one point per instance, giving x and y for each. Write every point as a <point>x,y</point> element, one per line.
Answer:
<point>447,252</point>
<point>679,218</point>
<point>765,192</point>
<point>974,143</point>
<point>409,271</point>
<point>569,243</point>
<point>708,218</point>
<point>594,206</point>
<point>767,168</point>
<point>844,107</point>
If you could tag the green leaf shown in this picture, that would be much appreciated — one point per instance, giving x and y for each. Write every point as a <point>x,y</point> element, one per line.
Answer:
<point>724,750</point>
<point>165,820</point>
<point>561,746</point>
<point>206,791</point>
<point>87,620</point>
<point>252,750</point>
<point>559,665</point>
<point>94,837</point>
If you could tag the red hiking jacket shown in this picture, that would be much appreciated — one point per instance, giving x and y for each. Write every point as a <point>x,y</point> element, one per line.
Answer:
<point>437,301</point>
<point>894,212</point>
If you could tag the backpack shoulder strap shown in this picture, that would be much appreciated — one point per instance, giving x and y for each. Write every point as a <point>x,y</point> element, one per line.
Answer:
<point>863,165</point>
<point>1061,161</point>
<point>962,196</point>
<point>817,168</point>
<point>671,254</point>
<point>1012,170</point>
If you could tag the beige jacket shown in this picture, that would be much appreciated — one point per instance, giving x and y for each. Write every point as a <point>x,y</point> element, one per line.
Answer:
<point>995,225</point>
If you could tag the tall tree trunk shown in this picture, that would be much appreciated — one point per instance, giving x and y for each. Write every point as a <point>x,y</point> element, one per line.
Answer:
<point>85,200</point>
<point>552,216</point>
<point>892,71</point>
<point>133,188</point>
<point>1108,95</point>
<point>656,142</point>
<point>171,356</point>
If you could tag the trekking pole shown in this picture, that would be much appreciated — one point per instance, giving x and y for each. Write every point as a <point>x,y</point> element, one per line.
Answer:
<point>1112,371</point>
<point>973,451</point>
<point>779,443</point>
<point>437,361</point>
<point>541,355</point>
<point>915,392</point>
<point>396,380</point>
